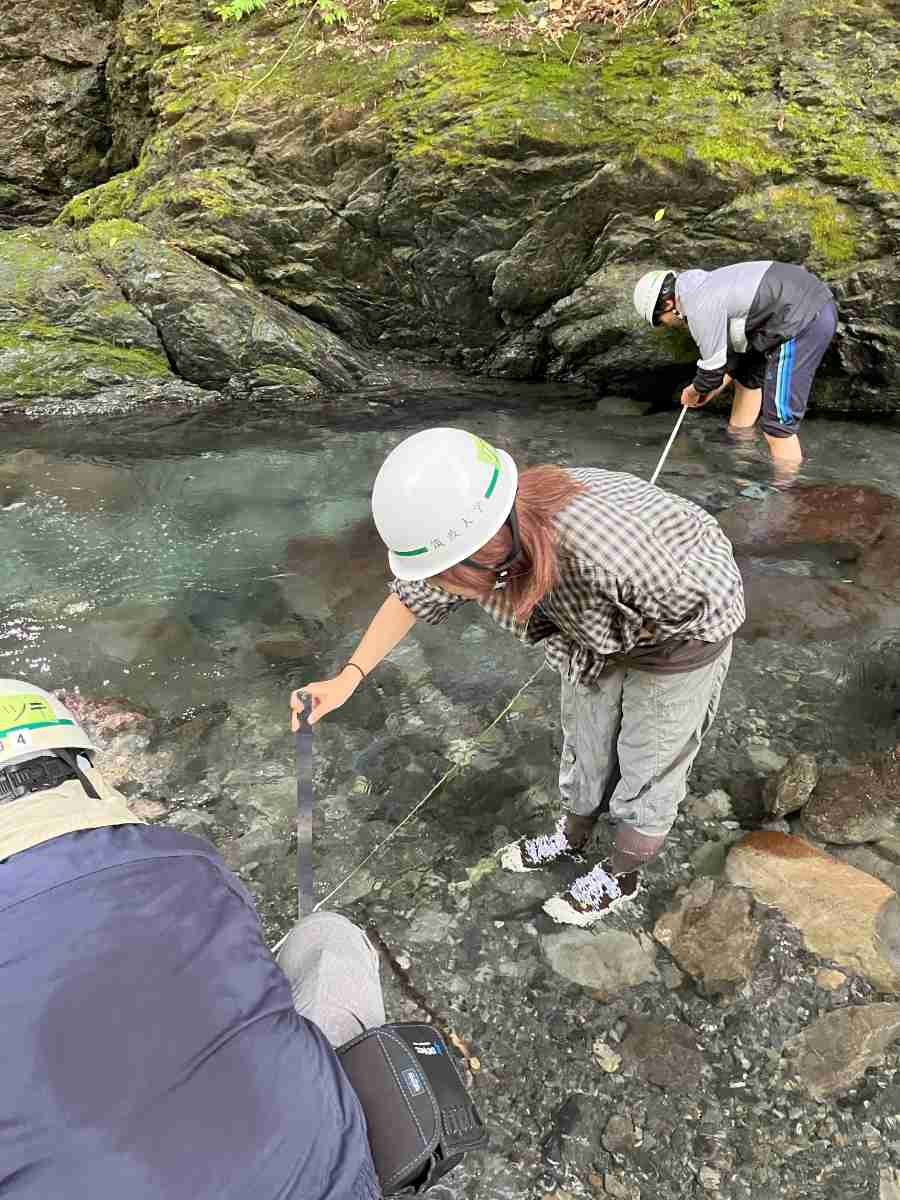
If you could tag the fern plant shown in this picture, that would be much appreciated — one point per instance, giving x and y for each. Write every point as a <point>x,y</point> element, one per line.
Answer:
<point>330,12</point>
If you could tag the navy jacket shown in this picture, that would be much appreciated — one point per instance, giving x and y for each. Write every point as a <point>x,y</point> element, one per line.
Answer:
<point>150,1049</point>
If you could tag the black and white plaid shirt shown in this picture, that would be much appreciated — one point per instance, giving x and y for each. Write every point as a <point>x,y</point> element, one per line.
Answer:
<point>638,567</point>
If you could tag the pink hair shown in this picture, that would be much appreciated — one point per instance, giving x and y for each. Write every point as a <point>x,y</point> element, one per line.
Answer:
<point>543,492</point>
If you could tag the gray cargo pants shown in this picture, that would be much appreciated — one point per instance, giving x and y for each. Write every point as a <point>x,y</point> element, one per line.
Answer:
<point>632,740</point>
<point>332,968</point>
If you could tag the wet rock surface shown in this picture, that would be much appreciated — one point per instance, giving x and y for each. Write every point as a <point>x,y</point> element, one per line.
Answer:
<point>790,789</point>
<point>712,935</point>
<point>837,1049</point>
<point>858,804</point>
<point>844,914</point>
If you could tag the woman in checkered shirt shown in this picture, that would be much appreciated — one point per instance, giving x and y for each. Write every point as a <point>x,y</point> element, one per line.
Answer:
<point>634,595</point>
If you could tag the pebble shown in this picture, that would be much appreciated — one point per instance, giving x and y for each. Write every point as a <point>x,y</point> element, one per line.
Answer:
<point>606,1057</point>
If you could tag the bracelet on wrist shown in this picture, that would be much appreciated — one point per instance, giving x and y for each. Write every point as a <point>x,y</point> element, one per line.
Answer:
<point>356,668</point>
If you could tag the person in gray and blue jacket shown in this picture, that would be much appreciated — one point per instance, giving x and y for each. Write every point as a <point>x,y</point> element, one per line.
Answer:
<point>764,324</point>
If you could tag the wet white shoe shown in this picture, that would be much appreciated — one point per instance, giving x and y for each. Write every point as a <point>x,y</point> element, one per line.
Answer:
<point>531,854</point>
<point>592,897</point>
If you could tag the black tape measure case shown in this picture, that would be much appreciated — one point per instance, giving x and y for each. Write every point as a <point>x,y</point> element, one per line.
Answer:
<point>420,1118</point>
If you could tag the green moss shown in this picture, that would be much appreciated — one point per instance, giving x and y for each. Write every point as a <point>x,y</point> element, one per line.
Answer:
<point>114,198</point>
<point>833,227</point>
<point>38,359</point>
<point>294,377</point>
<point>103,235</point>
<point>115,310</point>
<point>9,196</point>
<point>399,14</point>
<point>26,258</point>
<point>211,190</point>
<point>680,344</point>
<point>464,101</point>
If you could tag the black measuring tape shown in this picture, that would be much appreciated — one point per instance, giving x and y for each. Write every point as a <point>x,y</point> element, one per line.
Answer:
<point>304,758</point>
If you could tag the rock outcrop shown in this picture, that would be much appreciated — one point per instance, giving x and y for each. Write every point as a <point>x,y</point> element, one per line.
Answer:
<point>442,186</point>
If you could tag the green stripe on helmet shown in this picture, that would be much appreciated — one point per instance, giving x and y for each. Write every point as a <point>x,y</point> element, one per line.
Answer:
<point>411,553</point>
<point>493,483</point>
<point>34,725</point>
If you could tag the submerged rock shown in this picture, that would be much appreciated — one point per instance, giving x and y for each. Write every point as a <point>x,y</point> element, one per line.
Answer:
<point>664,1053</point>
<point>844,915</point>
<point>858,804</point>
<point>608,962</point>
<point>881,859</point>
<point>836,1050</point>
<point>712,934</point>
<point>82,486</point>
<point>790,788</point>
<point>858,527</point>
<point>620,1135</point>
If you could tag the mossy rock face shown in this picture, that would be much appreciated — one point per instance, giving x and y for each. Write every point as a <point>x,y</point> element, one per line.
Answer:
<point>65,329</point>
<point>43,360</point>
<point>443,196</point>
<point>54,111</point>
<point>213,327</point>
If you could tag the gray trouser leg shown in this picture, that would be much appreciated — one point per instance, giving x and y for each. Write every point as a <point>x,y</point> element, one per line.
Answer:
<point>639,733</point>
<point>333,972</point>
<point>664,720</point>
<point>591,719</point>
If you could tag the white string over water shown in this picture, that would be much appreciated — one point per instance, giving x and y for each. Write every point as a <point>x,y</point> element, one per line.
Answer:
<point>669,444</point>
<point>459,766</point>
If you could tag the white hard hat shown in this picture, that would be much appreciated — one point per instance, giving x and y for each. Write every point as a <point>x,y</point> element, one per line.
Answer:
<point>646,293</point>
<point>33,721</point>
<point>439,496</point>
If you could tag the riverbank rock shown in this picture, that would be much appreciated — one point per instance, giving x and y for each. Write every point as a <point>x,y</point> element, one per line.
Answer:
<point>858,804</point>
<point>66,329</point>
<point>844,915</point>
<point>712,934</point>
<point>54,109</point>
<point>450,191</point>
<point>117,306</point>
<point>836,1050</point>
<point>789,789</point>
<point>608,962</point>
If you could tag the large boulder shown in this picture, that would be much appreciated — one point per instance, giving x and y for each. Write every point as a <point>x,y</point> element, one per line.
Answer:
<point>844,914</point>
<point>66,329</point>
<point>89,314</point>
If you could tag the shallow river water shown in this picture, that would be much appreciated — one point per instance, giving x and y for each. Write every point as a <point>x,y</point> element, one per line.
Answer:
<point>192,567</point>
